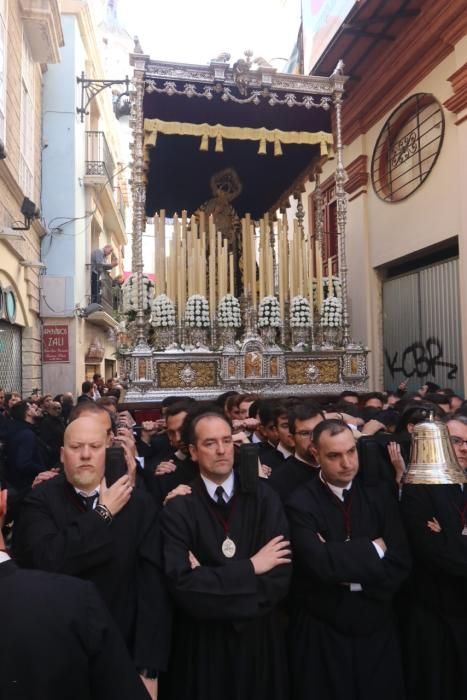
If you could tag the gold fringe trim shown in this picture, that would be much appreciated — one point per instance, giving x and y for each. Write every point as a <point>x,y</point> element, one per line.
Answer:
<point>263,136</point>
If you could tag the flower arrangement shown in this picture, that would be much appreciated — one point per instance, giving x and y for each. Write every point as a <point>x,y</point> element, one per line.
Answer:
<point>331,313</point>
<point>300,315</point>
<point>130,294</point>
<point>228,312</point>
<point>197,312</point>
<point>269,313</point>
<point>163,312</point>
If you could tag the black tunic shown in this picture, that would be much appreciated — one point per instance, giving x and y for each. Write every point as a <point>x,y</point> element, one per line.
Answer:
<point>269,456</point>
<point>437,614</point>
<point>227,639</point>
<point>343,643</point>
<point>58,641</point>
<point>291,474</point>
<point>54,533</point>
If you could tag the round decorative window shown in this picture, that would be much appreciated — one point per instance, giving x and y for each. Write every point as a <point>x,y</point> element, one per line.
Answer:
<point>407,147</point>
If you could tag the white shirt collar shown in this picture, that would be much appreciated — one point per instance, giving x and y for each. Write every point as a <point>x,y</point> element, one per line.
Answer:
<point>228,486</point>
<point>255,438</point>
<point>283,450</point>
<point>179,454</point>
<point>94,492</point>
<point>337,490</point>
<point>4,557</point>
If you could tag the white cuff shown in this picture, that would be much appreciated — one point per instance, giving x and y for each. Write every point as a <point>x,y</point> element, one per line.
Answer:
<point>378,549</point>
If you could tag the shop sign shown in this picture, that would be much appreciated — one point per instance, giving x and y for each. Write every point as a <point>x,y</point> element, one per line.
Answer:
<point>55,343</point>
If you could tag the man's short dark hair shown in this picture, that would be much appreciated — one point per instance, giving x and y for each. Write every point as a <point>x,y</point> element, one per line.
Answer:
<point>303,411</point>
<point>179,407</point>
<point>438,399</point>
<point>169,400</point>
<point>222,398</point>
<point>86,387</point>
<point>432,387</point>
<point>107,400</point>
<point>343,395</point>
<point>460,417</point>
<point>375,395</point>
<point>18,411</point>
<point>192,422</point>
<point>417,412</point>
<point>86,407</point>
<point>331,426</point>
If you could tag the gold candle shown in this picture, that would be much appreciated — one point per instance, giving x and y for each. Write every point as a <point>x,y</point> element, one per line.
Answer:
<point>251,236</point>
<point>319,276</point>
<point>231,277</point>
<point>245,265</point>
<point>219,265</point>
<point>212,267</point>
<point>162,251</point>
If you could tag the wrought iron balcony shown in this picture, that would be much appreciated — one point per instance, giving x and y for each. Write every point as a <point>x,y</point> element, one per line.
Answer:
<point>99,161</point>
<point>102,291</point>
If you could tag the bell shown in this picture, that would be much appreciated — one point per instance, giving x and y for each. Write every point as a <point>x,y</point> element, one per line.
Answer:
<point>432,457</point>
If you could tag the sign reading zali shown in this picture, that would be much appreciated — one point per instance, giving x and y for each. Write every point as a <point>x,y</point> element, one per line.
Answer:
<point>55,343</point>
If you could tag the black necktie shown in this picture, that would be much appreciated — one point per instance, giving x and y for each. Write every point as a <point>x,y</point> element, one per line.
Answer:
<point>88,501</point>
<point>346,495</point>
<point>219,492</point>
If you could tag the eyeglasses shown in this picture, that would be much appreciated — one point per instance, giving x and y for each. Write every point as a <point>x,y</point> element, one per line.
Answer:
<point>457,441</point>
<point>305,434</point>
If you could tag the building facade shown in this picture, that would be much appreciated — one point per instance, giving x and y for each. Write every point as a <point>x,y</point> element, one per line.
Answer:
<point>30,40</point>
<point>405,133</point>
<point>84,199</point>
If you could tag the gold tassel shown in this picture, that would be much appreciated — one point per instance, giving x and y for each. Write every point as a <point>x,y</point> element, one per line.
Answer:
<point>204,143</point>
<point>277,147</point>
<point>219,145</point>
<point>262,147</point>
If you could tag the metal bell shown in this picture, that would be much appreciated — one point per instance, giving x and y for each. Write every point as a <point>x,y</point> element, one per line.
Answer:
<point>432,457</point>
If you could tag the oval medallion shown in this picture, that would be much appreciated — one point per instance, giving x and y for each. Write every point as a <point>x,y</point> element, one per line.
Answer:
<point>228,548</point>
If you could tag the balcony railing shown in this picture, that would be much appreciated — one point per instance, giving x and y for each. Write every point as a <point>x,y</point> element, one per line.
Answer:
<point>99,161</point>
<point>101,290</point>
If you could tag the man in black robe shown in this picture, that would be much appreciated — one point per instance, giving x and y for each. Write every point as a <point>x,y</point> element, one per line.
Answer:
<point>228,565</point>
<point>350,557</point>
<point>58,641</point>
<point>301,466</point>
<point>436,635</point>
<point>76,524</point>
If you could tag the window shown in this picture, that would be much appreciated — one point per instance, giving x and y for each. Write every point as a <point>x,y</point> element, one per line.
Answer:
<point>26,157</point>
<point>2,68</point>
<point>407,147</point>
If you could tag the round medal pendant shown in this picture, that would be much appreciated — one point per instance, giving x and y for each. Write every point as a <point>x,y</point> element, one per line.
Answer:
<point>228,548</point>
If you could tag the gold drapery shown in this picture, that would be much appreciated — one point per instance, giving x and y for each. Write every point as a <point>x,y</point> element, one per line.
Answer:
<point>152,127</point>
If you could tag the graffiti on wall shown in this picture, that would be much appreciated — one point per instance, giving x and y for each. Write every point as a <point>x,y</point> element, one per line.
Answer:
<point>420,360</point>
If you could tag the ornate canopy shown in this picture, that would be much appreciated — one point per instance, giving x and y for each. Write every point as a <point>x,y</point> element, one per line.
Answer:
<point>200,120</point>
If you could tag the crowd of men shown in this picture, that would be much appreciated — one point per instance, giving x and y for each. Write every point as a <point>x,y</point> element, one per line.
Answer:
<point>245,547</point>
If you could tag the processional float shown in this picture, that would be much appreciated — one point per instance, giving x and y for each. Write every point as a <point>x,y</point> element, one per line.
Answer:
<point>242,298</point>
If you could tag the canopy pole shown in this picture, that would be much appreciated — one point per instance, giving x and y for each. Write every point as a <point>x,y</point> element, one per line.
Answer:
<point>341,198</point>
<point>138,189</point>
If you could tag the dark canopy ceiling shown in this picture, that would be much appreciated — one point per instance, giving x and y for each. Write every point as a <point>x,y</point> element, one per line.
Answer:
<point>179,173</point>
